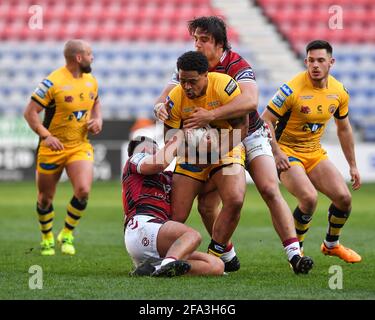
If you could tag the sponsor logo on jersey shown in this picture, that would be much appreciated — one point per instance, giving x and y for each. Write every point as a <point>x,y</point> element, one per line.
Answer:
<point>286,89</point>
<point>278,99</point>
<point>167,188</point>
<point>188,109</point>
<point>81,96</point>
<point>306,97</point>
<point>231,86</point>
<point>332,96</point>
<point>170,103</point>
<point>145,242</point>
<point>40,93</point>
<point>79,114</point>
<point>215,103</point>
<point>312,127</point>
<point>320,108</point>
<point>247,74</point>
<point>47,83</point>
<point>305,110</point>
<point>92,95</point>
<point>331,108</point>
<point>68,99</point>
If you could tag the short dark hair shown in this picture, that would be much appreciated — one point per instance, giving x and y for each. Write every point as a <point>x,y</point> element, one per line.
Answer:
<point>193,61</point>
<point>319,44</point>
<point>133,143</point>
<point>214,26</point>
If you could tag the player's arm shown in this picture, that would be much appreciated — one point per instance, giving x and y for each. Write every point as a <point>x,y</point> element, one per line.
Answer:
<point>345,135</point>
<point>160,107</point>
<point>95,124</point>
<point>281,160</point>
<point>31,115</point>
<point>238,107</point>
<point>161,159</point>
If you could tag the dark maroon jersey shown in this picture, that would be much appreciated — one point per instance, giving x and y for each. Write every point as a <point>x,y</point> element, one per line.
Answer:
<point>145,194</point>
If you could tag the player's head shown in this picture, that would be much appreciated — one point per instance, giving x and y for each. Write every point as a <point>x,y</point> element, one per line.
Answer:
<point>319,59</point>
<point>79,52</point>
<point>142,144</point>
<point>192,69</point>
<point>210,35</point>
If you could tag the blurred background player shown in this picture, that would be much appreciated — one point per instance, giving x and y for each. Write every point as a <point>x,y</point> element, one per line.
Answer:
<point>157,245</point>
<point>210,38</point>
<point>69,97</point>
<point>300,111</point>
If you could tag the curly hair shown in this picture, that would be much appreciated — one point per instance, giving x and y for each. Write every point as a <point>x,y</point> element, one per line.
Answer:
<point>212,25</point>
<point>193,61</point>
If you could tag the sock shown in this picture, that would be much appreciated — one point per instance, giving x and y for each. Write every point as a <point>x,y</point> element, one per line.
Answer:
<point>216,248</point>
<point>336,220</point>
<point>45,217</point>
<point>74,213</point>
<point>229,253</point>
<point>167,260</point>
<point>302,223</point>
<point>291,247</point>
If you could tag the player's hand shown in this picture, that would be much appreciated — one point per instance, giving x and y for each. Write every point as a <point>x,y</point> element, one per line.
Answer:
<point>282,161</point>
<point>94,126</point>
<point>53,143</point>
<point>200,118</point>
<point>355,178</point>
<point>160,111</point>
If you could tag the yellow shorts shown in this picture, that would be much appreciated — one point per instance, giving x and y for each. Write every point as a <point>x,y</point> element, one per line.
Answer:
<point>237,155</point>
<point>307,160</point>
<point>50,162</point>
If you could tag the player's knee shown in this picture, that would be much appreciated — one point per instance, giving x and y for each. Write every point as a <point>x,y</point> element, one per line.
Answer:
<point>44,200</point>
<point>82,193</point>
<point>309,201</point>
<point>234,204</point>
<point>195,237</point>
<point>270,192</point>
<point>345,201</point>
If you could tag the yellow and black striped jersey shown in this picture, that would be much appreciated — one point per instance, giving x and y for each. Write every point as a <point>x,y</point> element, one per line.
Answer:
<point>303,111</point>
<point>68,102</point>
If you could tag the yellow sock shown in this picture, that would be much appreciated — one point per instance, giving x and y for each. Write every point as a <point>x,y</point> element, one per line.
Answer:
<point>45,217</point>
<point>75,211</point>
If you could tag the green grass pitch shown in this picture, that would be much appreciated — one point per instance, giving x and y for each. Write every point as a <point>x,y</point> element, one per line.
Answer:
<point>100,268</point>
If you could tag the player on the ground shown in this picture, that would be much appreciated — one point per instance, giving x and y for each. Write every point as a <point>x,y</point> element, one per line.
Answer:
<point>157,245</point>
<point>211,39</point>
<point>300,110</point>
<point>69,97</point>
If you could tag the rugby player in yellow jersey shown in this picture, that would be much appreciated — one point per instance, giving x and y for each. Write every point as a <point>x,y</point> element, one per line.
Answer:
<point>200,89</point>
<point>69,98</point>
<point>300,111</point>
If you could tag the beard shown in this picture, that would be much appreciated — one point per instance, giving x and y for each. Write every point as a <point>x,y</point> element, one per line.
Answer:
<point>85,69</point>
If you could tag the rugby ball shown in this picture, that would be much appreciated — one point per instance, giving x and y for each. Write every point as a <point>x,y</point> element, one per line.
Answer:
<point>194,136</point>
